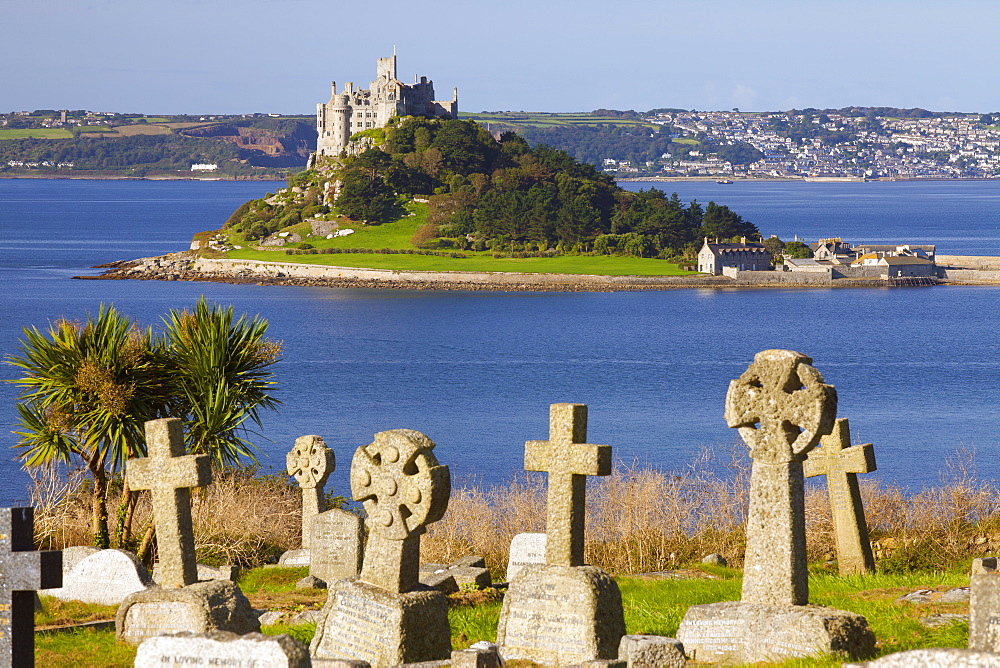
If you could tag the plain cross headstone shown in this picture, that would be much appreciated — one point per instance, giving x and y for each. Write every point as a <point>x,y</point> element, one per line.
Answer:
<point>568,459</point>
<point>781,407</point>
<point>841,463</point>
<point>22,572</point>
<point>169,474</point>
<point>310,462</point>
<point>563,612</point>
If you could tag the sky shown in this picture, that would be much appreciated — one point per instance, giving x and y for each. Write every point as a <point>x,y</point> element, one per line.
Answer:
<point>279,56</point>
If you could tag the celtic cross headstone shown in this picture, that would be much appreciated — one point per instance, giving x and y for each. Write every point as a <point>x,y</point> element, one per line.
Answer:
<point>383,616</point>
<point>781,407</point>
<point>169,474</point>
<point>403,489</point>
<point>568,459</point>
<point>841,463</point>
<point>310,462</point>
<point>22,572</point>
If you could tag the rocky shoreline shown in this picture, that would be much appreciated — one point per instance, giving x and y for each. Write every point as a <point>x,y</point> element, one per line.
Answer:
<point>189,266</point>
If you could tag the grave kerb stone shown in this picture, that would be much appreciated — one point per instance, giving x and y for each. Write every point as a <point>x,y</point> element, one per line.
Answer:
<point>169,474</point>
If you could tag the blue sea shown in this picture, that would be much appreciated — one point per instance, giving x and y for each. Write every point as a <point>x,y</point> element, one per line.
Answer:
<point>917,369</point>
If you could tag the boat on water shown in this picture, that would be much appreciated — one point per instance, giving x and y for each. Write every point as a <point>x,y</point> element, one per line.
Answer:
<point>723,181</point>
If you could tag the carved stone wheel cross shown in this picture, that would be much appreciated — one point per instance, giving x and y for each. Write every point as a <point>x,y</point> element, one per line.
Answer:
<point>781,406</point>
<point>400,483</point>
<point>310,462</point>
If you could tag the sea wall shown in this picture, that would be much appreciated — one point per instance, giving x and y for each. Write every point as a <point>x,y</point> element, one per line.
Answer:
<point>187,266</point>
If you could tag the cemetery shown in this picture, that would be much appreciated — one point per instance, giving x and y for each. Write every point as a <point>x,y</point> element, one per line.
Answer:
<point>578,562</point>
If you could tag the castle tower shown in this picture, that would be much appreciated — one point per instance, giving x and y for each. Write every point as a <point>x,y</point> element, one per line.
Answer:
<point>357,110</point>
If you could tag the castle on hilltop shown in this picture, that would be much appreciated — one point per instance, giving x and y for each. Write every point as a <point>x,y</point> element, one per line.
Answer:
<point>356,110</point>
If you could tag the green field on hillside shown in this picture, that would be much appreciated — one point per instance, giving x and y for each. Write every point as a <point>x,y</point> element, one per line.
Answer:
<point>35,133</point>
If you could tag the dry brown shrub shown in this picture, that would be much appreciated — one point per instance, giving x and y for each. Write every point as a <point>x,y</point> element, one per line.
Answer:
<point>241,518</point>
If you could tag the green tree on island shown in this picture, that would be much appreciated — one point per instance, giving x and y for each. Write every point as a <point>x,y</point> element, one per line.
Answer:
<point>89,387</point>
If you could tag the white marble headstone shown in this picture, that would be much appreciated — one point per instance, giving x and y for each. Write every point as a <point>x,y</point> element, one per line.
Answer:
<point>525,548</point>
<point>105,577</point>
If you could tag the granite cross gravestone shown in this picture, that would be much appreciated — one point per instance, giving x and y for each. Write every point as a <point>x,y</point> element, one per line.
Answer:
<point>22,572</point>
<point>568,459</point>
<point>169,474</point>
<point>782,408</point>
<point>384,616</point>
<point>563,612</point>
<point>841,463</point>
<point>310,462</point>
<point>181,602</point>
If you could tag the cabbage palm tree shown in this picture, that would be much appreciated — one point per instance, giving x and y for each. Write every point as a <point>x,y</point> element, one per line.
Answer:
<point>217,376</point>
<point>88,388</point>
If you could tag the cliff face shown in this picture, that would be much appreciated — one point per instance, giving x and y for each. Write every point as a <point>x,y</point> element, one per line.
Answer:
<point>278,144</point>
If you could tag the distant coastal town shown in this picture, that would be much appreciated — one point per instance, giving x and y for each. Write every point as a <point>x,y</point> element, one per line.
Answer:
<point>850,144</point>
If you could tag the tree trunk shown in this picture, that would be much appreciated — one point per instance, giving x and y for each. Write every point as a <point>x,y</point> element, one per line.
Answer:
<point>145,552</point>
<point>126,511</point>
<point>99,509</point>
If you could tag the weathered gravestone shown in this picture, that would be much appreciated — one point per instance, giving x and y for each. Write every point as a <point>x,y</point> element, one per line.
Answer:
<point>22,572</point>
<point>467,571</point>
<point>310,462</point>
<point>984,606</point>
<point>104,577</point>
<point>525,548</point>
<point>180,603</point>
<point>337,545</point>
<point>781,407</point>
<point>933,657</point>
<point>563,612</point>
<point>384,616</point>
<point>841,463</point>
<point>221,648</point>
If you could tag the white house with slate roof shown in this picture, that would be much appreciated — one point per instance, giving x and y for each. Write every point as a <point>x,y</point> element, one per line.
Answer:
<point>744,256</point>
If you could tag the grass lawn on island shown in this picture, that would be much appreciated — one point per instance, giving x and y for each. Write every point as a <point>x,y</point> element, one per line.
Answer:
<point>35,133</point>
<point>397,236</point>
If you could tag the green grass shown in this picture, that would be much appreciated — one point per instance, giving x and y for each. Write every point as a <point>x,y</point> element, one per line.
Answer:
<point>397,236</point>
<point>685,140</point>
<point>601,265</point>
<point>35,133</point>
<point>275,580</point>
<point>651,607</point>
<point>72,649</point>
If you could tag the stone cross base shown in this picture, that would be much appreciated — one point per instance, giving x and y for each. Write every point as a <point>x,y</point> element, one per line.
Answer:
<point>222,648</point>
<point>736,633</point>
<point>362,622</point>
<point>561,615</point>
<point>933,657</point>
<point>202,607</point>
<point>984,604</point>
